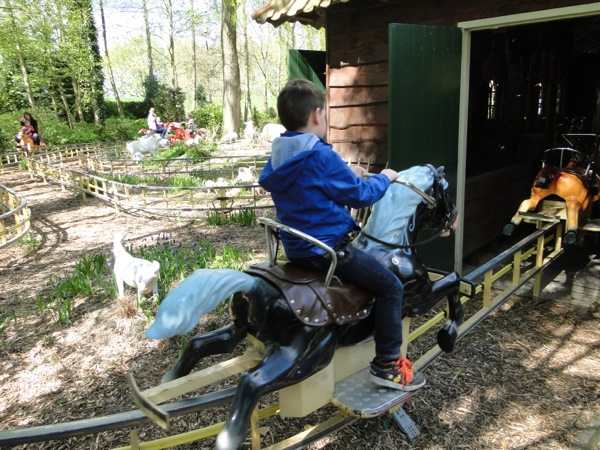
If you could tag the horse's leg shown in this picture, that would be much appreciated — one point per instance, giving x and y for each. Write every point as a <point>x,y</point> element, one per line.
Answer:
<point>448,287</point>
<point>447,336</point>
<point>526,205</point>
<point>573,209</point>
<point>310,351</point>
<point>576,197</point>
<point>223,340</point>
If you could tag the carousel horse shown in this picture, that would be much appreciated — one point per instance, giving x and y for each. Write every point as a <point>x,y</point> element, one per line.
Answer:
<point>27,145</point>
<point>576,184</point>
<point>302,316</point>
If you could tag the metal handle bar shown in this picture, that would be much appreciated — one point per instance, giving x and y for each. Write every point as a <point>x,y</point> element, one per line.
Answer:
<point>273,224</point>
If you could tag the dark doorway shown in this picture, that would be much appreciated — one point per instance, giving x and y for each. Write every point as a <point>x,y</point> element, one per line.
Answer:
<point>528,85</point>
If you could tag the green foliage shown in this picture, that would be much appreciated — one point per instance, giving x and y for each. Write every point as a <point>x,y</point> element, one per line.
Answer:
<point>120,129</point>
<point>12,93</point>
<point>89,273</point>
<point>245,217</point>
<point>201,97</point>
<point>209,116</point>
<point>167,101</point>
<point>31,241</point>
<point>260,119</point>
<point>132,109</point>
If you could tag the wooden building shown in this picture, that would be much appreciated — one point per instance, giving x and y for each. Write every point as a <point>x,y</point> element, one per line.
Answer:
<point>481,87</point>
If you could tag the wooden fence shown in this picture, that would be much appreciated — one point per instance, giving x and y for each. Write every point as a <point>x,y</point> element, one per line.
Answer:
<point>97,171</point>
<point>15,217</point>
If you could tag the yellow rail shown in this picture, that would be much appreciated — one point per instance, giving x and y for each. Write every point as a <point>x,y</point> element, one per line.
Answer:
<point>15,217</point>
<point>63,166</point>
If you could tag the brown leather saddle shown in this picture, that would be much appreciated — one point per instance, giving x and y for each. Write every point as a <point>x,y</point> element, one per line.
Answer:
<point>342,303</point>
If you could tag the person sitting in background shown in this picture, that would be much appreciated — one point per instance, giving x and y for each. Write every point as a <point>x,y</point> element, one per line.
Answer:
<point>26,128</point>
<point>153,124</point>
<point>33,123</point>
<point>191,125</point>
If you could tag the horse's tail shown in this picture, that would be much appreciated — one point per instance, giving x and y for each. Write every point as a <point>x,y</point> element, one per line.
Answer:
<point>195,296</point>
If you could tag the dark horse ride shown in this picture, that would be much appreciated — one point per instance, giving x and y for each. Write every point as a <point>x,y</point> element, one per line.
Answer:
<point>302,316</point>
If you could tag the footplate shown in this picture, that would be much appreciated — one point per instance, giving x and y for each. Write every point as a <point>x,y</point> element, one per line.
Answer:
<point>148,407</point>
<point>357,396</point>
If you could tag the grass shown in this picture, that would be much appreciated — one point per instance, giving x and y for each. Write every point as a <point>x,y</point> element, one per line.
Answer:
<point>93,276</point>
<point>245,217</point>
<point>30,242</point>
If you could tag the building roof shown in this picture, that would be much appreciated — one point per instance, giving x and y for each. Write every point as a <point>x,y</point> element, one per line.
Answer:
<point>308,12</point>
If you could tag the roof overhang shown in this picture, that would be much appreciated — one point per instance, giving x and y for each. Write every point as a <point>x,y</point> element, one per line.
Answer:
<point>307,12</point>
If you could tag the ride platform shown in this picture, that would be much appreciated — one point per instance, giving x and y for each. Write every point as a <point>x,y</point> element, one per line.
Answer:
<point>555,211</point>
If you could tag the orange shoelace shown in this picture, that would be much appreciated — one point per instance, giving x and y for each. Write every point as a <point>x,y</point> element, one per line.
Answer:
<point>405,366</point>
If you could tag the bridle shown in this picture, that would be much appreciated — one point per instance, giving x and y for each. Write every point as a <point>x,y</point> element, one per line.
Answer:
<point>431,204</point>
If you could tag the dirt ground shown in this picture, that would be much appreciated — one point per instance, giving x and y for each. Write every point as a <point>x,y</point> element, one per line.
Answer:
<point>527,378</point>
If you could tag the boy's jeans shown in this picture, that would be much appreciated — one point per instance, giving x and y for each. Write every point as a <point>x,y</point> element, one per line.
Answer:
<point>364,270</point>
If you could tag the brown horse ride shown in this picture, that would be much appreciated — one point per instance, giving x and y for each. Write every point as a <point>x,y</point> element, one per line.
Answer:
<point>577,184</point>
<point>28,146</point>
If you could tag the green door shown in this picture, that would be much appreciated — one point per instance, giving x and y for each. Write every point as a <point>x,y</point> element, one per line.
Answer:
<point>424,88</point>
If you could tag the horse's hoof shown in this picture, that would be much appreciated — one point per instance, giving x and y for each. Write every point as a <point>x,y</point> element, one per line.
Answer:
<point>446,337</point>
<point>571,237</point>
<point>509,229</point>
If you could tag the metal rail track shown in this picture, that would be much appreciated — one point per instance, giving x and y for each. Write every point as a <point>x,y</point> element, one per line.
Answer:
<point>524,262</point>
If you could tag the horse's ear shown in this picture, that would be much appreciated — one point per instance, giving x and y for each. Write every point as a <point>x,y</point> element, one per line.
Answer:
<point>440,170</point>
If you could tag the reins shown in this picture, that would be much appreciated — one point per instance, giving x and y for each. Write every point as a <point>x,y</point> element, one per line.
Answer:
<point>431,203</point>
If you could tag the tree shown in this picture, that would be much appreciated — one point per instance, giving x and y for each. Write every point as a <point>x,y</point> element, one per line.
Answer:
<point>231,68</point>
<point>171,45</point>
<point>108,64</point>
<point>15,29</point>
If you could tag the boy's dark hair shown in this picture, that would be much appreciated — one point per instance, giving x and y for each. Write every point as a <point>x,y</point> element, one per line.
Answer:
<point>296,101</point>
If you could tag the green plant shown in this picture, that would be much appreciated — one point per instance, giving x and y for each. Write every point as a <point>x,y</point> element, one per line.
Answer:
<point>216,218</point>
<point>245,217</point>
<point>31,242</point>
<point>177,261</point>
<point>89,272</point>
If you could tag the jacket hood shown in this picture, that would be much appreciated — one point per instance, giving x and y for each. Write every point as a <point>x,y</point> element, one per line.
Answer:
<point>288,156</point>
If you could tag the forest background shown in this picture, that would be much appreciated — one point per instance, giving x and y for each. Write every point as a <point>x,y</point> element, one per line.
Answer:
<point>88,70</point>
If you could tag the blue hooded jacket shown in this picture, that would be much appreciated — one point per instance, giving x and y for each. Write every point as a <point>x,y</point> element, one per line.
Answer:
<point>312,187</point>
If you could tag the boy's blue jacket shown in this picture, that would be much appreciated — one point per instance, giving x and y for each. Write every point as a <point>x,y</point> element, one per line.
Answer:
<point>312,187</point>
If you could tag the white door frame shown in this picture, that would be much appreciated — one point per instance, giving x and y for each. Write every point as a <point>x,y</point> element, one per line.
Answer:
<point>570,12</point>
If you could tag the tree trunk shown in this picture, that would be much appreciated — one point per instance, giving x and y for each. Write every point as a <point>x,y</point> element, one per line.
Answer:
<point>109,65</point>
<point>77,93</point>
<point>63,98</point>
<point>248,104</point>
<point>231,68</point>
<point>22,65</point>
<point>194,67</point>
<point>148,41</point>
<point>171,31</point>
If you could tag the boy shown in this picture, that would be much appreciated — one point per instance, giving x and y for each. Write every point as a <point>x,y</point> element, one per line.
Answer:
<point>312,187</point>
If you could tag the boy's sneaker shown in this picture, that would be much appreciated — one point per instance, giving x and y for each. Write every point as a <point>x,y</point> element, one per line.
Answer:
<point>396,375</point>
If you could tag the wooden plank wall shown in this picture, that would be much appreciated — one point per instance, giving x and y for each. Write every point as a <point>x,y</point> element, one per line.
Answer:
<point>357,62</point>
<point>357,77</point>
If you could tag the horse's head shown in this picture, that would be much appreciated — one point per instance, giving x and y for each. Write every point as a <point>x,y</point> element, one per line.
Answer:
<point>419,198</point>
<point>441,215</point>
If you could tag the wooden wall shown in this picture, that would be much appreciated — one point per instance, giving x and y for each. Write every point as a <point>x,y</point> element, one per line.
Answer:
<point>357,62</point>
<point>357,77</point>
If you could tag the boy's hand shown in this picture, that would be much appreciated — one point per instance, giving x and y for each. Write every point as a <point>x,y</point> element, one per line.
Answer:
<point>391,174</point>
<point>358,171</point>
